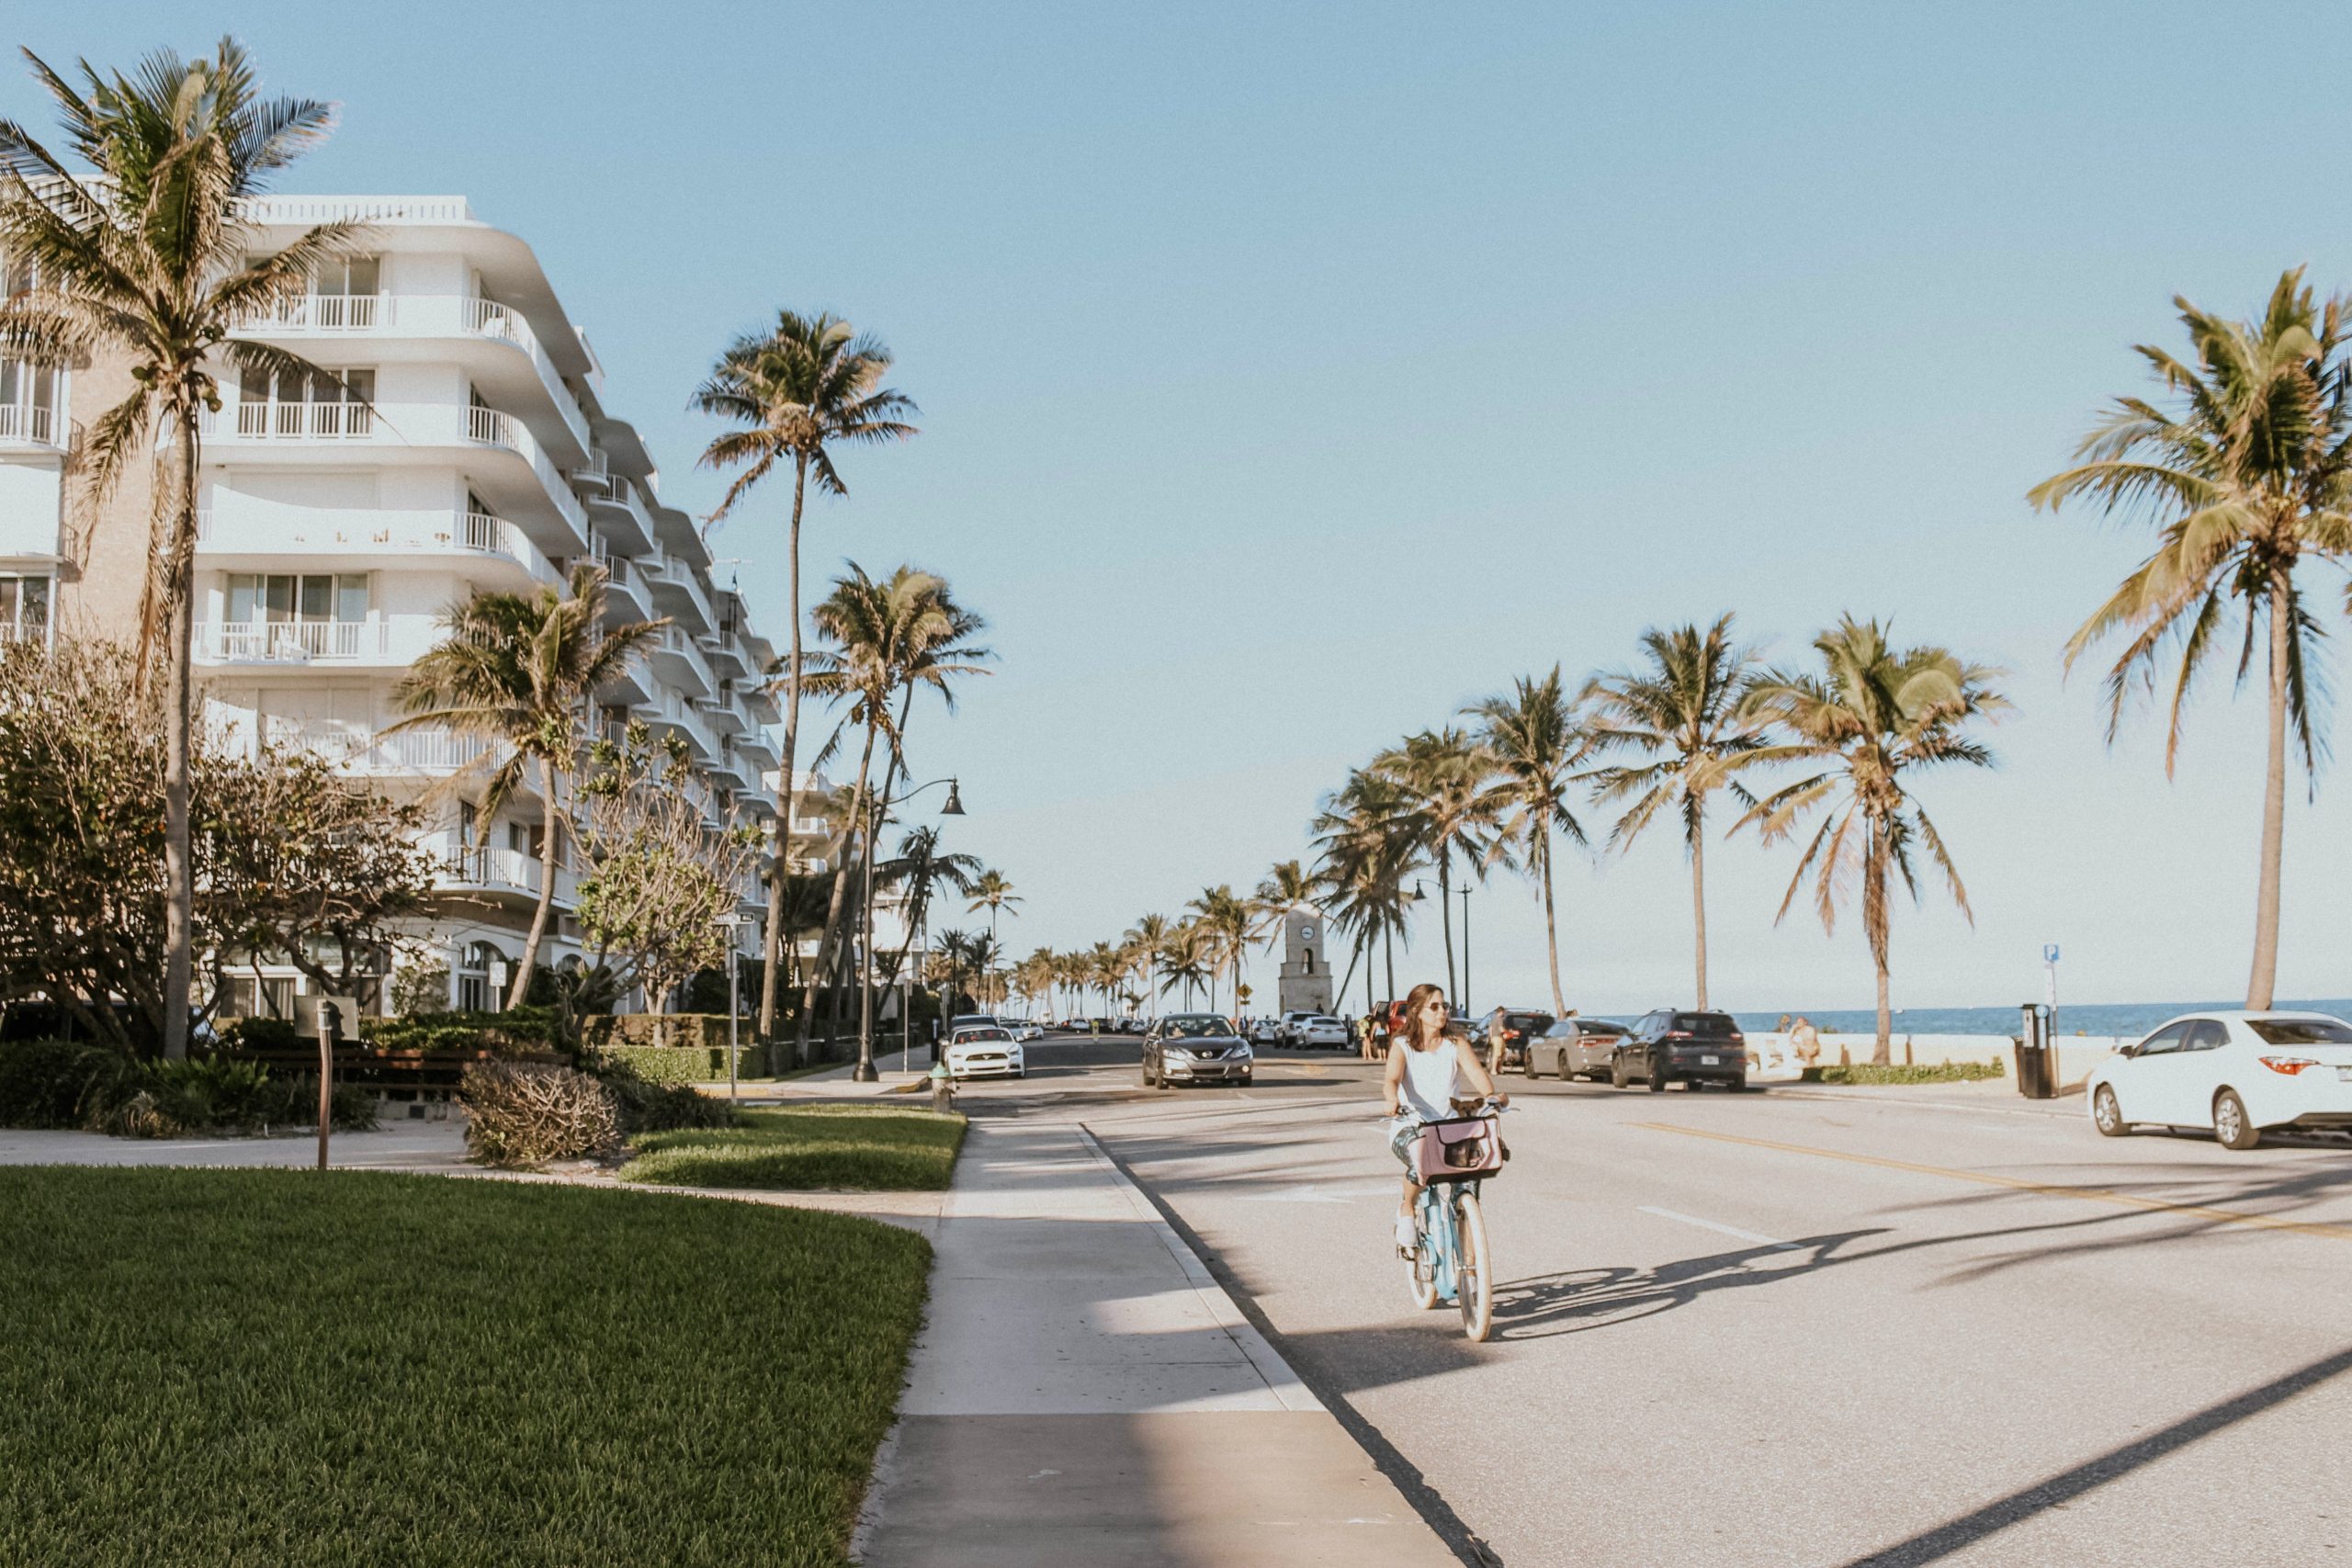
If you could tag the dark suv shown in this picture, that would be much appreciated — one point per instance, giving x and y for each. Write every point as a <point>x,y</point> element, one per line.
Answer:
<point>1695,1048</point>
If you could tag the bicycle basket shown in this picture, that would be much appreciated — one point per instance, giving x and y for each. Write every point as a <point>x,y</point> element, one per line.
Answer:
<point>1465,1148</point>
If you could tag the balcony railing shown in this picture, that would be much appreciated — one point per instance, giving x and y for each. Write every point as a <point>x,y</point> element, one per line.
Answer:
<point>258,529</point>
<point>480,865</point>
<point>23,631</point>
<point>305,421</point>
<point>28,423</point>
<point>243,642</point>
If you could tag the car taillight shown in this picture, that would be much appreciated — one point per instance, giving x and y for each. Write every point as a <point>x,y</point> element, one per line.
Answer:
<point>1739,1039</point>
<point>2290,1065</point>
<point>1676,1034</point>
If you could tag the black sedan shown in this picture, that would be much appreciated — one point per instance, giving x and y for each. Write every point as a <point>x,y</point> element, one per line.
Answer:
<point>1195,1047</point>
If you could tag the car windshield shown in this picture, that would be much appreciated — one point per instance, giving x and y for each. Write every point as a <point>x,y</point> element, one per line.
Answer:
<point>2301,1031</point>
<point>1527,1020</point>
<point>1706,1025</point>
<point>1319,1018</point>
<point>1199,1027</point>
<point>966,1036</point>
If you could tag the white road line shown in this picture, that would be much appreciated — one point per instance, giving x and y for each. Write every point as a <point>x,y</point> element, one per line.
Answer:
<point>1773,1242</point>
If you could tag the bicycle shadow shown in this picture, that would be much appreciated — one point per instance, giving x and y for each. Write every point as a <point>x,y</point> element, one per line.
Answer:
<point>1574,1301</point>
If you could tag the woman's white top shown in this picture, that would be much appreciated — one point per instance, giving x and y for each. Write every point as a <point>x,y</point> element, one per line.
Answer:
<point>1432,1077</point>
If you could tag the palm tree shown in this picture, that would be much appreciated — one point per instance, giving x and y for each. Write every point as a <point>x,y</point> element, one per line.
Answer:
<point>525,670</point>
<point>2245,476</point>
<point>918,867</point>
<point>1683,712</point>
<point>1369,846</point>
<point>1186,958</point>
<point>992,891</point>
<point>810,383</point>
<point>148,258</point>
<point>1223,921</point>
<point>890,638</point>
<point>1443,773</point>
<point>1530,738</point>
<point>1149,937</point>
<point>1874,714</point>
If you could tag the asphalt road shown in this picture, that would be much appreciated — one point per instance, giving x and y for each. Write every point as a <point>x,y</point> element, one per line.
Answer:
<point>1884,1328</point>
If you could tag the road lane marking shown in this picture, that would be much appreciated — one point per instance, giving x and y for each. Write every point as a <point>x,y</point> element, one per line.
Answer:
<point>2051,1190</point>
<point>1773,1242</point>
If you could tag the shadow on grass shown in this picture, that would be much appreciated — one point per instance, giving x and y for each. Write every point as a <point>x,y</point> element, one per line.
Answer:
<point>851,1148</point>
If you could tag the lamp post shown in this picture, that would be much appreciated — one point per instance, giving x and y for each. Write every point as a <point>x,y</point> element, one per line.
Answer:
<point>865,1072</point>
<point>733,923</point>
<point>1465,948</point>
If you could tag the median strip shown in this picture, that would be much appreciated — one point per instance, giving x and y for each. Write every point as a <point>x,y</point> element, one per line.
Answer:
<point>2095,1194</point>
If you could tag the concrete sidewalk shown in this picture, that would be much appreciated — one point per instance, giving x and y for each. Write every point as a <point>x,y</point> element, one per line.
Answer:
<point>1084,1394</point>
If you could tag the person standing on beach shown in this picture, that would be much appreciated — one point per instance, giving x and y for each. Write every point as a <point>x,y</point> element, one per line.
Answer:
<point>1806,1040</point>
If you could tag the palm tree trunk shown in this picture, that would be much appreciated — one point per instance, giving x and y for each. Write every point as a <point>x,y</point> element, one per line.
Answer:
<point>1882,1053</point>
<point>819,971</point>
<point>521,988</point>
<point>1698,910</point>
<point>791,734</point>
<point>1388,942</point>
<point>865,906</point>
<point>2264,980</point>
<point>1551,918</point>
<point>179,861</point>
<point>1874,928</point>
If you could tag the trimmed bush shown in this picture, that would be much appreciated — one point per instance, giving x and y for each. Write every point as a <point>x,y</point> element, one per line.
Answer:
<point>59,1083</point>
<point>1899,1073</point>
<point>513,1031</point>
<point>664,1107</point>
<point>217,1094</point>
<point>678,1065</point>
<point>693,1031</point>
<point>523,1114</point>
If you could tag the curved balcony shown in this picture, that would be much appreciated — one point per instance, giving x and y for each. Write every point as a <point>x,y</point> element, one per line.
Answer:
<point>619,512</point>
<point>678,660</point>
<point>405,326</point>
<point>679,592</point>
<point>242,532</point>
<point>378,642</point>
<point>30,425</point>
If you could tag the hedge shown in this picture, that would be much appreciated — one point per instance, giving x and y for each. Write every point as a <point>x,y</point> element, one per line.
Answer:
<point>677,1065</point>
<point>516,1030</point>
<point>1904,1073</point>
<point>705,1031</point>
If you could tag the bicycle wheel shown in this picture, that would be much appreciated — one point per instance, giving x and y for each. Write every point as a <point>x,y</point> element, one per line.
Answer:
<point>1420,1269</point>
<point>1474,1282</point>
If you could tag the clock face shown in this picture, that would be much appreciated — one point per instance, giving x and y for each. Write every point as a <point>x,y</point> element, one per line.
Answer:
<point>1306,933</point>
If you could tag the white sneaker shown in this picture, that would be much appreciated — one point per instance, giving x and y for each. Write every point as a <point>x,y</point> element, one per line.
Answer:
<point>1409,1236</point>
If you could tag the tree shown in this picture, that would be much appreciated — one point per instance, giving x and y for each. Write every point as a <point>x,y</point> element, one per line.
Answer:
<point>890,638</point>
<point>149,258</point>
<point>1149,937</point>
<point>1530,738</point>
<point>1875,715</point>
<point>1683,711</point>
<point>992,891</point>
<point>1285,887</point>
<point>656,881</point>
<point>1186,958</point>
<point>1224,923</point>
<point>918,868</point>
<point>2247,475</point>
<point>808,384</point>
<point>525,671</point>
<point>1446,804</point>
<point>1369,845</point>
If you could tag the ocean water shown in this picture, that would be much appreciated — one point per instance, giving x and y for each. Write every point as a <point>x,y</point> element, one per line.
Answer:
<point>2083,1017</point>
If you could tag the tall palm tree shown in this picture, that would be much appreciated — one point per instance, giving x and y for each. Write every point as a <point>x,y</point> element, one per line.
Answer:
<point>148,258</point>
<point>1874,714</point>
<point>992,891</point>
<point>890,638</point>
<point>524,670</point>
<point>808,384</point>
<point>1369,844</point>
<point>919,867</point>
<point>1683,711</point>
<point>1223,921</point>
<point>1531,738</point>
<point>1186,958</point>
<point>1148,936</point>
<point>1443,775</point>
<point>2246,476</point>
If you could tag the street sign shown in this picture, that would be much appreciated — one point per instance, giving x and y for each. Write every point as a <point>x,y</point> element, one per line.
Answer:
<point>2050,953</point>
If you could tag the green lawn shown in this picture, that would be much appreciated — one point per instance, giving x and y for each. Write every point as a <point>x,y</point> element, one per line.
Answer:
<point>243,1367</point>
<point>838,1147</point>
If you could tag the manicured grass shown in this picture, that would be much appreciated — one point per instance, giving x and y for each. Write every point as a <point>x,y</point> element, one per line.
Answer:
<point>1898,1072</point>
<point>840,1148</point>
<point>227,1368</point>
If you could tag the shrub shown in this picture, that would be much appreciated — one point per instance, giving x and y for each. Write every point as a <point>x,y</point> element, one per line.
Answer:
<point>664,1108</point>
<point>261,1034</point>
<point>59,1083</point>
<point>523,1114</point>
<point>511,1033</point>
<point>220,1094</point>
<point>1903,1073</point>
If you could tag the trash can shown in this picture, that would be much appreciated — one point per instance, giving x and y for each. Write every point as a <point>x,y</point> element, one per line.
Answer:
<point>2037,1058</point>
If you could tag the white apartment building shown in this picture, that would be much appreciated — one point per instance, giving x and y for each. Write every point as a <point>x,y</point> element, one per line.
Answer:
<point>461,446</point>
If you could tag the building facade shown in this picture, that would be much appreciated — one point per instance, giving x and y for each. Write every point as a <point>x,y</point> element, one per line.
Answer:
<point>461,444</point>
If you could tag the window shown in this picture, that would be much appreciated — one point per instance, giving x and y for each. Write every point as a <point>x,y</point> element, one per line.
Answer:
<point>271,996</point>
<point>27,401</point>
<point>327,404</point>
<point>2301,1031</point>
<point>287,615</point>
<point>2205,1035</point>
<point>24,608</point>
<point>2163,1042</point>
<point>348,275</point>
<point>479,968</point>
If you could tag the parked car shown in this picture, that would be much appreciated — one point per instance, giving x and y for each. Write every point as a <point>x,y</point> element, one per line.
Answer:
<point>1575,1048</point>
<point>1520,1026</point>
<point>1266,1032</point>
<point>984,1051</point>
<point>1321,1028</point>
<point>1025,1028</point>
<point>1195,1047</point>
<point>1291,1022</point>
<point>1693,1048</point>
<point>2236,1074</point>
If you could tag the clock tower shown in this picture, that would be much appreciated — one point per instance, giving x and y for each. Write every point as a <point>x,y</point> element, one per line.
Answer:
<point>1306,970</point>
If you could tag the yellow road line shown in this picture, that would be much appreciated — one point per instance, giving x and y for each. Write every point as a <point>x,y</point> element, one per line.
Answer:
<point>2095,1194</point>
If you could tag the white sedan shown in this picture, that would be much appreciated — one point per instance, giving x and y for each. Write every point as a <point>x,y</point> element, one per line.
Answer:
<point>2235,1073</point>
<point>1320,1030</point>
<point>984,1051</point>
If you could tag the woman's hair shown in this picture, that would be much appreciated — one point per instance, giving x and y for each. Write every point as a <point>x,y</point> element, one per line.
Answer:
<point>1418,1032</point>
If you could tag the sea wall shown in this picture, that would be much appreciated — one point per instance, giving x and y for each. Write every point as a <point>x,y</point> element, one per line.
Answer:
<point>2078,1053</point>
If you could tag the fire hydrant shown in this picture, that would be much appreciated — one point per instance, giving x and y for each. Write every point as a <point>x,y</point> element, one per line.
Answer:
<point>942,1089</point>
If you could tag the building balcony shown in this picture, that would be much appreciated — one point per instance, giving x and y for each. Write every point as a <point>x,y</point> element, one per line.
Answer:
<point>626,598</point>
<point>25,424</point>
<point>378,642</point>
<point>619,509</point>
<point>679,662</point>
<point>413,326</point>
<point>519,481</point>
<point>426,752</point>
<point>760,704</point>
<point>260,535</point>
<point>677,714</point>
<point>721,713</point>
<point>679,593</point>
<point>501,875</point>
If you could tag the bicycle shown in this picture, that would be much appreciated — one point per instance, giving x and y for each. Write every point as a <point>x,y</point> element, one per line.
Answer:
<point>1450,1260</point>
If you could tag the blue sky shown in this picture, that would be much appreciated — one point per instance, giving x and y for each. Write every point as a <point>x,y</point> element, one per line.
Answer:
<point>1295,375</point>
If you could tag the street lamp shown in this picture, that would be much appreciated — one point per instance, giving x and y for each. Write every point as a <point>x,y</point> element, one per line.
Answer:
<point>954,806</point>
<point>734,971</point>
<point>1466,947</point>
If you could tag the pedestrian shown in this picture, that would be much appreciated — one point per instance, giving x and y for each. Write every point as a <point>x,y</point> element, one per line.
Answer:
<point>1497,1037</point>
<point>1806,1041</point>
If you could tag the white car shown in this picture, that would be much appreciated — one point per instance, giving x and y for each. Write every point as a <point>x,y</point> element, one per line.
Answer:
<point>1266,1032</point>
<point>1291,1024</point>
<point>2235,1073</point>
<point>1318,1030</point>
<point>984,1051</point>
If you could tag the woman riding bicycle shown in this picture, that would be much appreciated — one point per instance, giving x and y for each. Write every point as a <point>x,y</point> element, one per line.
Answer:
<point>1428,1065</point>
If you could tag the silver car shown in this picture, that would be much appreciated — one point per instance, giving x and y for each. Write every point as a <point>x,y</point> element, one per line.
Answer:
<point>1195,1047</point>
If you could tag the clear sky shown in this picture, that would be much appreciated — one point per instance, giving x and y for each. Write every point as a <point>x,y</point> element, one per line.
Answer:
<point>1293,375</point>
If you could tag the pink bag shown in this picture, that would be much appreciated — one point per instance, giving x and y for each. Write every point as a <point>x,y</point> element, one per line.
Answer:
<point>1466,1149</point>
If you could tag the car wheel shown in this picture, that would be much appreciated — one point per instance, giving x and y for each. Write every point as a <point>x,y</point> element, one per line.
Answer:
<point>1147,1075</point>
<point>1657,1078</point>
<point>1619,1075</point>
<point>2108,1116</point>
<point>2231,1125</point>
<point>1246,1080</point>
<point>1738,1085</point>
